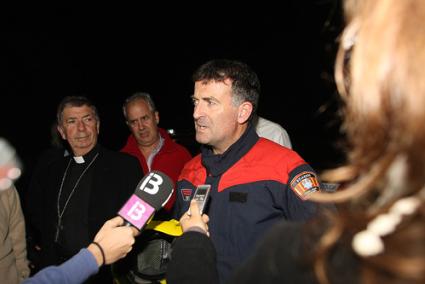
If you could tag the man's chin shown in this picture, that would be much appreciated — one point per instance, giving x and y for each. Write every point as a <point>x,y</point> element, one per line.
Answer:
<point>83,147</point>
<point>202,139</point>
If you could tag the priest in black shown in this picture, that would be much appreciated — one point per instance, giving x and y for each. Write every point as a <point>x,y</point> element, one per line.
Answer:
<point>81,191</point>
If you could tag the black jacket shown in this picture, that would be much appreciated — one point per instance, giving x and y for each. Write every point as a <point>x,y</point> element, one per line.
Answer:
<point>114,179</point>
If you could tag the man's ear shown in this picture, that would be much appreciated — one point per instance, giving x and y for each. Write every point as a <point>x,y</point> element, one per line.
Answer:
<point>245,110</point>
<point>61,132</point>
<point>157,117</point>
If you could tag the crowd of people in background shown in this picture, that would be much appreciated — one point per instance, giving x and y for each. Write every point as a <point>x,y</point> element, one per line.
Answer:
<point>267,219</point>
<point>79,184</point>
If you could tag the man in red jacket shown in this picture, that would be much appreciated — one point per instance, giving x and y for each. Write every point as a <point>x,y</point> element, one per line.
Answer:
<point>150,144</point>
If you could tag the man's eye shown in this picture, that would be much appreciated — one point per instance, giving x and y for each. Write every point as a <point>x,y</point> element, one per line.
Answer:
<point>70,121</point>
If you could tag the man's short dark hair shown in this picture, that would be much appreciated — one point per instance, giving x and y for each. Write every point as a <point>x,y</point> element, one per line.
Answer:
<point>245,83</point>
<point>74,101</point>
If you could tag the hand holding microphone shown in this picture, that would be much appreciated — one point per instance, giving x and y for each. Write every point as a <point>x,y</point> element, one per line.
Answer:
<point>113,241</point>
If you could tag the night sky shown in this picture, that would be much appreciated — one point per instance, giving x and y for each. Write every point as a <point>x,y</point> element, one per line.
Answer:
<point>107,53</point>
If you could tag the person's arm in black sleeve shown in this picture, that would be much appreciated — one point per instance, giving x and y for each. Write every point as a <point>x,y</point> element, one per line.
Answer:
<point>193,257</point>
<point>193,260</point>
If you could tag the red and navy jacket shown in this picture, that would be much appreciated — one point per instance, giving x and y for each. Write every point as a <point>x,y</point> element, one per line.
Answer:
<point>254,184</point>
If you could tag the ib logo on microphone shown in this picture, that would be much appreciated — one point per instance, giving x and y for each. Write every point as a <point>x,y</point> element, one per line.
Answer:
<point>151,184</point>
<point>136,211</point>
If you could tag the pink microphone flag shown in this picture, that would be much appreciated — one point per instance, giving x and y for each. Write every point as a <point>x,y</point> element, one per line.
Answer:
<point>136,211</point>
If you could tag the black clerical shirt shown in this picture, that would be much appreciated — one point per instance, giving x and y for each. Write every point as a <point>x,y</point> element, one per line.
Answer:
<point>74,233</point>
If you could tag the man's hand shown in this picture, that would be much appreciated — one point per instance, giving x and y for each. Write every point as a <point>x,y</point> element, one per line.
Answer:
<point>115,239</point>
<point>194,221</point>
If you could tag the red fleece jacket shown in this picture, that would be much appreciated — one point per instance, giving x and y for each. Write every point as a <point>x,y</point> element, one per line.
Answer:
<point>170,159</point>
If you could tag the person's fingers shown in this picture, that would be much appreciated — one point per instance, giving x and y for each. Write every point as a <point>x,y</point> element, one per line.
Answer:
<point>205,218</point>
<point>132,239</point>
<point>115,222</point>
<point>135,231</point>
<point>185,216</point>
<point>194,209</point>
<point>125,233</point>
<point>182,218</point>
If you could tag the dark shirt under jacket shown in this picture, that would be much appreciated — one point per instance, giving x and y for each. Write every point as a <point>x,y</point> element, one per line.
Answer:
<point>74,228</point>
<point>105,187</point>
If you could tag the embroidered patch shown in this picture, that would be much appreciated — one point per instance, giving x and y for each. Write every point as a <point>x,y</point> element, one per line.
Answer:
<point>186,193</point>
<point>305,183</point>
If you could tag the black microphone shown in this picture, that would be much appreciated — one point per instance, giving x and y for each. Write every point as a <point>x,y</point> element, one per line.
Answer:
<point>152,193</point>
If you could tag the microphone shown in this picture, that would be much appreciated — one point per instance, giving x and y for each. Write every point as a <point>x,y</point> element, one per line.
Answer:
<point>152,193</point>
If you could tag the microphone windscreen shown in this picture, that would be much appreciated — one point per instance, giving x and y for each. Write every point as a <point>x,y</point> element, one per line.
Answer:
<point>155,189</point>
<point>152,193</point>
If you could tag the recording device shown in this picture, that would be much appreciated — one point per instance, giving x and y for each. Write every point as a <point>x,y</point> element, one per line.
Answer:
<point>201,195</point>
<point>152,193</point>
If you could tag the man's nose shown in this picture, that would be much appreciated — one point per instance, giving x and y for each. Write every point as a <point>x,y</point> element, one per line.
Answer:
<point>197,111</point>
<point>81,125</point>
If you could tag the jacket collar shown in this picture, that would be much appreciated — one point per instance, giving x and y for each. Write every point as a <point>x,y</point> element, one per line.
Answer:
<point>217,164</point>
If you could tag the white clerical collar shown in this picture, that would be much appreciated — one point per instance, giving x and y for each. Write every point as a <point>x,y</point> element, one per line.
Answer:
<point>79,159</point>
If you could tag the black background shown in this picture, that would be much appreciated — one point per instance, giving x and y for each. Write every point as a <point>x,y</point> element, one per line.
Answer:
<point>109,52</point>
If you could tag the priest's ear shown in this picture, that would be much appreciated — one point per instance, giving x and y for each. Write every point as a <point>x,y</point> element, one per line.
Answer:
<point>244,112</point>
<point>98,126</point>
<point>61,132</point>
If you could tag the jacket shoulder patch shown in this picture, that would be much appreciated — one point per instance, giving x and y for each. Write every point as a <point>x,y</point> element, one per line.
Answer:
<point>304,184</point>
